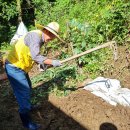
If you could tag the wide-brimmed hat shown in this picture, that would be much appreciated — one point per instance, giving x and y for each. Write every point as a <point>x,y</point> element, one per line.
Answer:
<point>52,27</point>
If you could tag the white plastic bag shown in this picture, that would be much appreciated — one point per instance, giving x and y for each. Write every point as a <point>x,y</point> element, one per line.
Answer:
<point>22,30</point>
<point>110,90</point>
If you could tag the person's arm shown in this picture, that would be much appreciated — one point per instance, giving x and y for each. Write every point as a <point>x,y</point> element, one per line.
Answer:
<point>33,41</point>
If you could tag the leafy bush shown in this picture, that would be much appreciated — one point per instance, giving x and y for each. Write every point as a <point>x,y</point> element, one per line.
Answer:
<point>109,19</point>
<point>59,81</point>
<point>87,24</point>
<point>7,14</point>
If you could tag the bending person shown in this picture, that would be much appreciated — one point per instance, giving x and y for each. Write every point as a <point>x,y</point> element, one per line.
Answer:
<point>19,62</point>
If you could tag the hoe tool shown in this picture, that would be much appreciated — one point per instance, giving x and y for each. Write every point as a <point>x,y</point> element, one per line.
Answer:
<point>111,44</point>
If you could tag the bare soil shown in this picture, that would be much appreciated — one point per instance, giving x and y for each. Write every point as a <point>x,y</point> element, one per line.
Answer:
<point>80,110</point>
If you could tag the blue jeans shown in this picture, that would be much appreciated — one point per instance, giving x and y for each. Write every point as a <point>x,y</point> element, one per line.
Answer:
<point>21,84</point>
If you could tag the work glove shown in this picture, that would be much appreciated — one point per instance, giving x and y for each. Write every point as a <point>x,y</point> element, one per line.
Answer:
<point>56,63</point>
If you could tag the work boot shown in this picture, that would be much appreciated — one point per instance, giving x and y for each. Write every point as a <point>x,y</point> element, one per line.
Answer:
<point>27,122</point>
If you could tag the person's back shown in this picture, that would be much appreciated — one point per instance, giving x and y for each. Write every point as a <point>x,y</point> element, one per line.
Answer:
<point>20,55</point>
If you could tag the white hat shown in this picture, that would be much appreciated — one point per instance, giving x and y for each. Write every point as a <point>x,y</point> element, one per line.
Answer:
<point>52,27</point>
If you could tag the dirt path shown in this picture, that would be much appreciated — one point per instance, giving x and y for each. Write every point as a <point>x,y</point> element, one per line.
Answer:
<point>81,110</point>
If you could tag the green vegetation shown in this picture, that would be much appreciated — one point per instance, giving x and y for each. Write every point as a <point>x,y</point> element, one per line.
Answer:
<point>60,81</point>
<point>84,25</point>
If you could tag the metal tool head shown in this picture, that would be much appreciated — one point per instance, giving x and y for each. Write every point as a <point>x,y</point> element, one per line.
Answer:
<point>114,49</point>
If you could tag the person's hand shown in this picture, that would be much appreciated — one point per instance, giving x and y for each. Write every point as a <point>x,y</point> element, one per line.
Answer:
<point>56,63</point>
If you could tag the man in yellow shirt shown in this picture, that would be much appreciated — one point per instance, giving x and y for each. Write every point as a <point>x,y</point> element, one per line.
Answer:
<point>19,62</point>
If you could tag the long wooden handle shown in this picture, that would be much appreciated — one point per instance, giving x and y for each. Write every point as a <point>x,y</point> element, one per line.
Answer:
<point>88,51</point>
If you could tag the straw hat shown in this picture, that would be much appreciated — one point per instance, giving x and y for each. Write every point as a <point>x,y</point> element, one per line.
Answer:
<point>52,27</point>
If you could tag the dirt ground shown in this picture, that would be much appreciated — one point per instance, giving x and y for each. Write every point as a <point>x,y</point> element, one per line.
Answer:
<point>80,110</point>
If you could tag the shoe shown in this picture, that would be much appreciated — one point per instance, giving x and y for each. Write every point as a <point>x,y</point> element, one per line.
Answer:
<point>27,122</point>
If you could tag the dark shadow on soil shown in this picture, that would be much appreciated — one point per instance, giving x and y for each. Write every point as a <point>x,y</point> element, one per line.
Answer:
<point>52,117</point>
<point>107,126</point>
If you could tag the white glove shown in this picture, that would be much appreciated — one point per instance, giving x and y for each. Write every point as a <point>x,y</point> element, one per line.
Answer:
<point>56,63</point>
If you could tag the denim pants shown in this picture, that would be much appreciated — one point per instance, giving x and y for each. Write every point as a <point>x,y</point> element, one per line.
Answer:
<point>21,85</point>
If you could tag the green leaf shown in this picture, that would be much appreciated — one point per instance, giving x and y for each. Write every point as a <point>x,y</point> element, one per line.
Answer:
<point>83,44</point>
